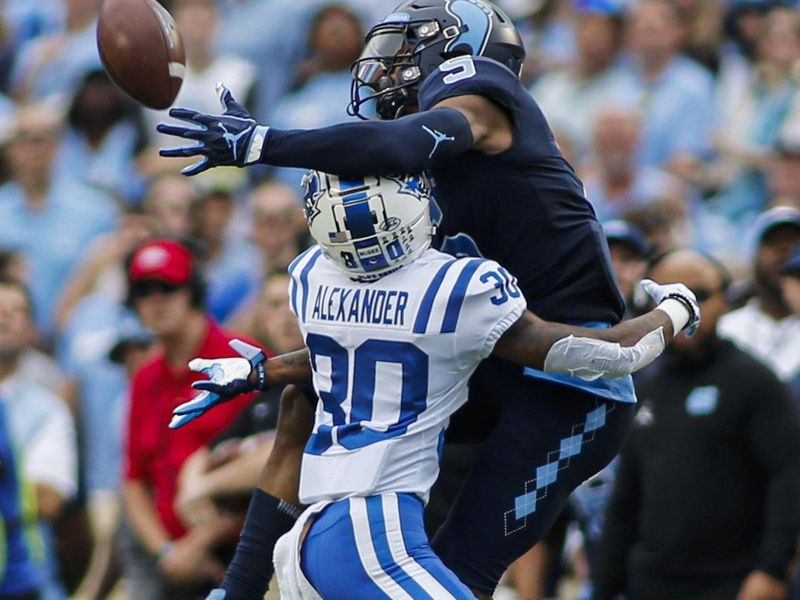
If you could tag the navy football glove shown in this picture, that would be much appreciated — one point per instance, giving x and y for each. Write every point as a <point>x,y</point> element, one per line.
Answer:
<point>679,292</point>
<point>230,139</point>
<point>228,378</point>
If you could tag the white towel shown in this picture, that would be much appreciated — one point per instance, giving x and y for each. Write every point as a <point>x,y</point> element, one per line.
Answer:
<point>291,579</point>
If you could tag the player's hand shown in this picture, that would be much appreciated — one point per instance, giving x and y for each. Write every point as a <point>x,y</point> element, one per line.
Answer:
<point>230,139</point>
<point>679,292</point>
<point>228,378</point>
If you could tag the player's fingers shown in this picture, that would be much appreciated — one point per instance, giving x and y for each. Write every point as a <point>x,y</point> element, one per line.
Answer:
<point>198,364</point>
<point>649,286</point>
<point>229,103</point>
<point>208,386</point>
<point>179,421</point>
<point>183,132</point>
<point>224,94</point>
<point>244,349</point>
<point>182,151</point>
<point>197,167</point>
<point>186,114</point>
<point>202,402</point>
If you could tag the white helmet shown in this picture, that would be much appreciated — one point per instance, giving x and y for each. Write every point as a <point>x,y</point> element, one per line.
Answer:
<point>369,226</point>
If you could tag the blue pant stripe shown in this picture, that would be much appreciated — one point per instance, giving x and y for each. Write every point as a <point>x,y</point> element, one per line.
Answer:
<point>433,565</point>
<point>377,527</point>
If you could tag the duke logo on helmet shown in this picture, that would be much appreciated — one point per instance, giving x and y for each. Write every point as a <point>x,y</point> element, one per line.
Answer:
<point>369,226</point>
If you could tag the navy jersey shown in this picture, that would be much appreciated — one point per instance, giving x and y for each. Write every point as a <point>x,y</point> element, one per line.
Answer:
<point>525,207</point>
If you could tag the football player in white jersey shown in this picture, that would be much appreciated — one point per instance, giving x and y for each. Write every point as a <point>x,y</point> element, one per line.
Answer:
<point>393,331</point>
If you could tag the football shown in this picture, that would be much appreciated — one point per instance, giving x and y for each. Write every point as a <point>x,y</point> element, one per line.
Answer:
<point>141,50</point>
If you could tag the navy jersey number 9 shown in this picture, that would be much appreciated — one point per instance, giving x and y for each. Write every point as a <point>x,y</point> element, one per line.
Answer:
<point>347,430</point>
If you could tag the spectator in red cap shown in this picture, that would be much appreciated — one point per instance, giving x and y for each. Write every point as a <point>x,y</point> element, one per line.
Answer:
<point>163,558</point>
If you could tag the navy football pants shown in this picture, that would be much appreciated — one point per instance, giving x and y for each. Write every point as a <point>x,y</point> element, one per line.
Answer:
<point>547,440</point>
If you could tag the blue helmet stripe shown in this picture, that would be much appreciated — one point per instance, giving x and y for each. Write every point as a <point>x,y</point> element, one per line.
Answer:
<point>477,21</point>
<point>356,209</point>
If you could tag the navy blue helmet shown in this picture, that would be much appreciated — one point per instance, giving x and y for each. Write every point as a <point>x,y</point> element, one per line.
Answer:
<point>410,43</point>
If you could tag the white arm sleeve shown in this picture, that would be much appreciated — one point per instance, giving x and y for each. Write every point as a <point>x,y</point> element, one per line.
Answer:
<point>592,359</point>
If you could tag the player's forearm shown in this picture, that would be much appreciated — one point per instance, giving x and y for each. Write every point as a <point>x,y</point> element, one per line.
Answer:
<point>293,367</point>
<point>408,145</point>
<point>583,352</point>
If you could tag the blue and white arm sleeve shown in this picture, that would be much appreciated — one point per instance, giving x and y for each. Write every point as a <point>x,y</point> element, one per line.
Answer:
<point>407,145</point>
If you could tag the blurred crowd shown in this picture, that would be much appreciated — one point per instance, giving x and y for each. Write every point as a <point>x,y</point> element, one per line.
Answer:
<point>682,118</point>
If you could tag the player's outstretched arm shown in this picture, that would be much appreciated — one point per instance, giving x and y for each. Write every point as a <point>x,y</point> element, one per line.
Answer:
<point>594,353</point>
<point>407,145</point>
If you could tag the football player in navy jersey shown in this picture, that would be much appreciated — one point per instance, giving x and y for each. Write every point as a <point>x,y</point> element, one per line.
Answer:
<point>443,75</point>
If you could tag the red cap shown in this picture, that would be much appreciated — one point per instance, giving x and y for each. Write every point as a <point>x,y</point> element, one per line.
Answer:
<point>164,260</point>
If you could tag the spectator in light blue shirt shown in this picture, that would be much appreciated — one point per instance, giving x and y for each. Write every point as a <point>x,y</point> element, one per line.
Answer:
<point>571,98</point>
<point>335,41</point>
<point>103,136</point>
<point>230,263</point>
<point>270,34</point>
<point>614,182</point>
<point>50,222</point>
<point>53,65</point>
<point>674,94</point>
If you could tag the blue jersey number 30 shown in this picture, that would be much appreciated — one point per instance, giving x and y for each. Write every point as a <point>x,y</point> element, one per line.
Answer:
<point>347,429</point>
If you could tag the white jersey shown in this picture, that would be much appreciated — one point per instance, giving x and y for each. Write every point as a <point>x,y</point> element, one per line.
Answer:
<point>391,361</point>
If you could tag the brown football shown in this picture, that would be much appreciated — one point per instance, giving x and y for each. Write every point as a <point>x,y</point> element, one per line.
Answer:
<point>141,50</point>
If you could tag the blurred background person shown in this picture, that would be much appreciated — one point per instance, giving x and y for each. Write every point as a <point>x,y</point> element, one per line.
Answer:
<point>103,135</point>
<point>165,558</point>
<point>53,65</point>
<point>49,221</point>
<point>168,204</point>
<point>230,263</point>
<point>572,97</point>
<point>100,271</point>
<point>704,504</point>
<point>702,23</point>
<point>615,183</point>
<point>673,94</point>
<point>322,81</point>
<point>750,123</point>
<point>790,288</point>
<point>41,429</point>
<point>21,577</point>
<point>630,255</point>
<point>279,233</point>
<point>34,364</point>
<point>221,475</point>
<point>765,327</point>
